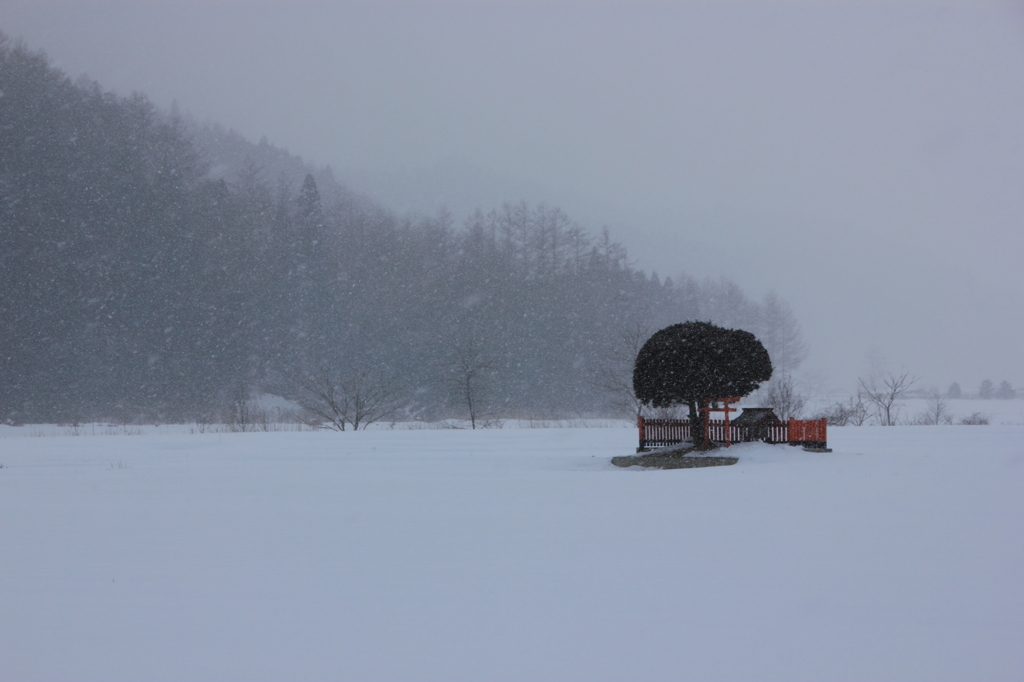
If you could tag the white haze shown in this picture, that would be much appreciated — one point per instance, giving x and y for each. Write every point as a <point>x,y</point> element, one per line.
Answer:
<point>865,161</point>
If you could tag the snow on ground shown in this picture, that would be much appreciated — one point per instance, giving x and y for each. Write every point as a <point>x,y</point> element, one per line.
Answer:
<point>512,554</point>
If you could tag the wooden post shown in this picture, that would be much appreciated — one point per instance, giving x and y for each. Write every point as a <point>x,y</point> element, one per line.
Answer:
<point>640,425</point>
<point>727,410</point>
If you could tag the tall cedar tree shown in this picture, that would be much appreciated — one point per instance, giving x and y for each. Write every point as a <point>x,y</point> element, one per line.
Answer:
<point>696,362</point>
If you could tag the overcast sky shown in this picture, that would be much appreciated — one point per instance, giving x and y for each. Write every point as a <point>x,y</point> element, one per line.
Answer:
<point>863,160</point>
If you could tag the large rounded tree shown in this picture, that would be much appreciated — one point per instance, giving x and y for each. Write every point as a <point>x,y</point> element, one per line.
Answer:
<point>694,363</point>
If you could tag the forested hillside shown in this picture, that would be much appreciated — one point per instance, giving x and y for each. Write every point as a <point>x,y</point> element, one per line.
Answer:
<point>153,270</point>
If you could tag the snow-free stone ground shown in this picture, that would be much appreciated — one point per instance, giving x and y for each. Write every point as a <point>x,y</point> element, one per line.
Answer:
<point>512,554</point>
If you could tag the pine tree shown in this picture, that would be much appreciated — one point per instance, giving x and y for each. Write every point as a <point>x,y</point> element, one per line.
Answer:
<point>694,363</point>
<point>1005,391</point>
<point>985,390</point>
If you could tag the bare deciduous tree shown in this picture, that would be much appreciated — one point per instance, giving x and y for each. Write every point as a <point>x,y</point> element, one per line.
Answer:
<point>357,399</point>
<point>323,399</point>
<point>853,412</point>
<point>883,393</point>
<point>783,397</point>
<point>857,410</point>
<point>780,334</point>
<point>372,397</point>
<point>467,376</point>
<point>615,371</point>
<point>245,414</point>
<point>937,412</point>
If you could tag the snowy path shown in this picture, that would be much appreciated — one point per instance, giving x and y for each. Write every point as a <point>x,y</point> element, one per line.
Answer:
<point>510,554</point>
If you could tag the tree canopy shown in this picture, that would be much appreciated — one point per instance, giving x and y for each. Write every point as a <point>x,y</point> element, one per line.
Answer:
<point>694,362</point>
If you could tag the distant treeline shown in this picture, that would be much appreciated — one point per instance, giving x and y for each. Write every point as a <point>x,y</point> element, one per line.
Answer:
<point>150,269</point>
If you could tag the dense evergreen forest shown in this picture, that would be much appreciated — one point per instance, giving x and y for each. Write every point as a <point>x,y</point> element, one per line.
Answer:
<point>154,269</point>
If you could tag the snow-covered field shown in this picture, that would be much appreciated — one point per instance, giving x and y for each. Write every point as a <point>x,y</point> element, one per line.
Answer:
<point>512,554</point>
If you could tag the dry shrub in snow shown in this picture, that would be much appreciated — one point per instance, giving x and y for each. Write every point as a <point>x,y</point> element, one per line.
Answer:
<point>853,412</point>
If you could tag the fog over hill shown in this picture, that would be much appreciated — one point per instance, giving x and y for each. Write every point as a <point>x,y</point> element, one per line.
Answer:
<point>861,160</point>
<point>155,269</point>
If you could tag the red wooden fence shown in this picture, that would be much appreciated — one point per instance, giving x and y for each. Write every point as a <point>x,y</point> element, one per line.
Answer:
<point>659,432</point>
<point>808,430</point>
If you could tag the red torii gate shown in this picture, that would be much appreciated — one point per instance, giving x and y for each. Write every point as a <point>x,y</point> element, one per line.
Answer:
<point>712,406</point>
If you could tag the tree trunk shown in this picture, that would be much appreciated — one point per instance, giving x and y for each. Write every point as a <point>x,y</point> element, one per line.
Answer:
<point>696,426</point>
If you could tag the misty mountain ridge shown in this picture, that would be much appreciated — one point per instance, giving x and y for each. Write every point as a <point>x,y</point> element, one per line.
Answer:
<point>156,269</point>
